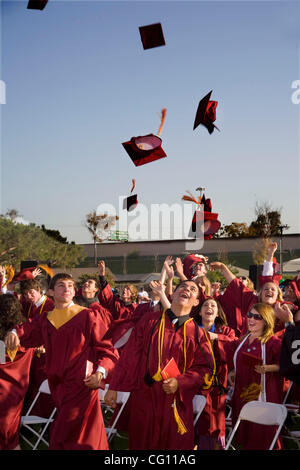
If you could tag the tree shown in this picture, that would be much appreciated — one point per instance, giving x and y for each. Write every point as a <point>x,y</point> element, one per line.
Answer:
<point>20,242</point>
<point>267,223</point>
<point>12,214</point>
<point>98,226</point>
<point>234,230</point>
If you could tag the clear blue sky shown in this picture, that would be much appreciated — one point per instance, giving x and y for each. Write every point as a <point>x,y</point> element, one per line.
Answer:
<point>78,84</point>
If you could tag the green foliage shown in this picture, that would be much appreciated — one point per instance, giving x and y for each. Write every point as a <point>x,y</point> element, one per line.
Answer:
<point>31,242</point>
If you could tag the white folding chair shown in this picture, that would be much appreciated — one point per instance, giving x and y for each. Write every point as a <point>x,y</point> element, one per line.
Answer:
<point>2,352</point>
<point>271,414</point>
<point>199,402</point>
<point>30,421</point>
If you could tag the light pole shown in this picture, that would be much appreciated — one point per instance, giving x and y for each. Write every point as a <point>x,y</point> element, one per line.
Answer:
<point>281,228</point>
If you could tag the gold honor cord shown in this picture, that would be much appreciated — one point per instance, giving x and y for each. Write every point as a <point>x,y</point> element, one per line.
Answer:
<point>157,376</point>
<point>209,381</point>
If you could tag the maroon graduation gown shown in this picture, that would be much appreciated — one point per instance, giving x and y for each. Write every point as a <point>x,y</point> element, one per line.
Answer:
<point>117,308</point>
<point>78,423</point>
<point>152,424</point>
<point>211,422</point>
<point>253,436</point>
<point>14,379</point>
<point>236,302</point>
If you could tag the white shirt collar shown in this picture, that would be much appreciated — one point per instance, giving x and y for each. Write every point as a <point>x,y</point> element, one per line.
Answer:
<point>39,302</point>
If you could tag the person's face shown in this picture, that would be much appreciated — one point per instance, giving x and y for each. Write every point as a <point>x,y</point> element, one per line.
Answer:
<point>255,325</point>
<point>209,310</point>
<point>126,294</point>
<point>199,269</point>
<point>32,295</point>
<point>244,280</point>
<point>269,293</point>
<point>63,291</point>
<point>289,294</point>
<point>89,288</point>
<point>186,294</point>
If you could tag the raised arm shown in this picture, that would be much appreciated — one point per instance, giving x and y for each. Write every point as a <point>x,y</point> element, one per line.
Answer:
<point>268,269</point>
<point>159,289</point>
<point>218,266</point>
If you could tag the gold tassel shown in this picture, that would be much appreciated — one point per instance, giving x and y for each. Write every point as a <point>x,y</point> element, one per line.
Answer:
<point>133,185</point>
<point>46,268</point>
<point>163,116</point>
<point>10,272</point>
<point>12,354</point>
<point>181,427</point>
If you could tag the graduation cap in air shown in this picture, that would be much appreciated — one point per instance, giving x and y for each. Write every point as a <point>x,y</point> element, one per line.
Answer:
<point>147,148</point>
<point>204,221</point>
<point>206,113</point>
<point>152,36</point>
<point>37,4</point>
<point>131,201</point>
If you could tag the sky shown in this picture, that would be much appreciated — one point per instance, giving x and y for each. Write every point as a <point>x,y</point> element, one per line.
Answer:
<point>78,83</point>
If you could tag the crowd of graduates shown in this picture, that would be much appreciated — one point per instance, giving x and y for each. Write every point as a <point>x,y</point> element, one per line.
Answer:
<point>164,346</point>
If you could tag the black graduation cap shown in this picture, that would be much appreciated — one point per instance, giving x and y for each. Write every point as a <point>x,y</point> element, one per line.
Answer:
<point>206,113</point>
<point>152,36</point>
<point>37,4</point>
<point>147,148</point>
<point>131,201</point>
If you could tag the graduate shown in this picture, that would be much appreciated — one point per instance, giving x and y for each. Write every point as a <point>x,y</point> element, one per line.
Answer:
<point>87,296</point>
<point>210,429</point>
<point>35,303</point>
<point>77,359</point>
<point>122,307</point>
<point>238,299</point>
<point>255,374</point>
<point>162,411</point>
<point>14,376</point>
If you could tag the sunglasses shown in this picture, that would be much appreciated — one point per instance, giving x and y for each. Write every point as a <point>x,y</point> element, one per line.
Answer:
<point>243,278</point>
<point>256,316</point>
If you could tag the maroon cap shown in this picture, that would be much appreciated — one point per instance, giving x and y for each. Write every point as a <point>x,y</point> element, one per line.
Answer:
<point>144,149</point>
<point>37,4</point>
<point>152,36</point>
<point>206,113</point>
<point>24,275</point>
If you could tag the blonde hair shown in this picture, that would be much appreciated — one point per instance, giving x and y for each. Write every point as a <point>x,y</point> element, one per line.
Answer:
<point>133,290</point>
<point>250,284</point>
<point>267,314</point>
<point>205,282</point>
<point>279,292</point>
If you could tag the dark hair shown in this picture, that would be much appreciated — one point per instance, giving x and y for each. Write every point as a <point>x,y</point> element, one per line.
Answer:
<point>30,284</point>
<point>220,320</point>
<point>189,280</point>
<point>61,277</point>
<point>10,313</point>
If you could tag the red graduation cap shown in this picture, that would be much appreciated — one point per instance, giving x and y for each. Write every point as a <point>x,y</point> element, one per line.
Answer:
<point>147,148</point>
<point>24,274</point>
<point>152,36</point>
<point>37,4</point>
<point>210,223</point>
<point>276,278</point>
<point>189,261</point>
<point>131,201</point>
<point>206,113</point>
